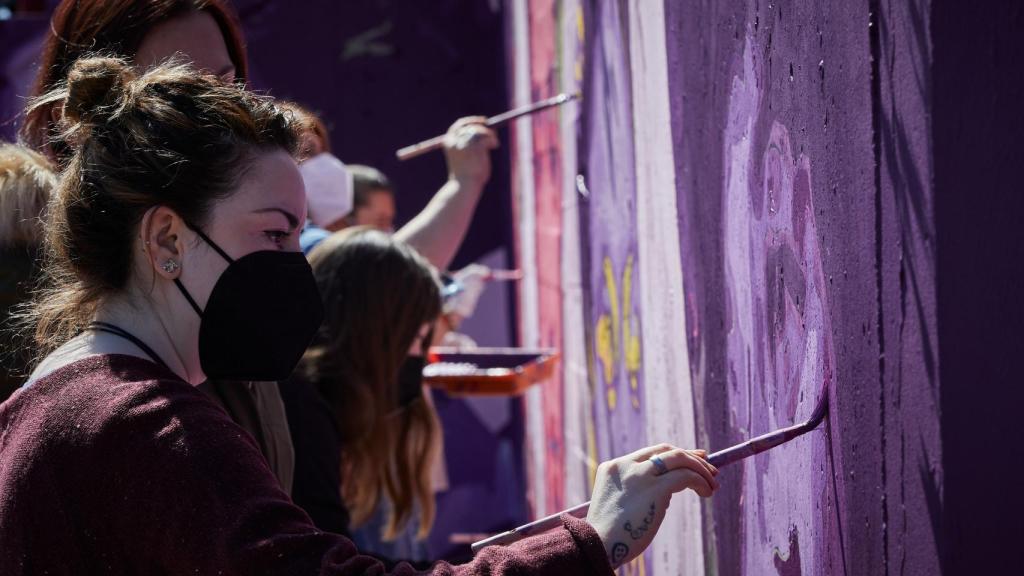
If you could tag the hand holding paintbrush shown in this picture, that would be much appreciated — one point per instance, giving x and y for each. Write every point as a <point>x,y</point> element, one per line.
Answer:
<point>720,458</point>
<point>632,493</point>
<point>438,142</point>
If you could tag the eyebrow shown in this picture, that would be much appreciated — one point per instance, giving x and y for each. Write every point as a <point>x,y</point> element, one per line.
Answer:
<point>293,220</point>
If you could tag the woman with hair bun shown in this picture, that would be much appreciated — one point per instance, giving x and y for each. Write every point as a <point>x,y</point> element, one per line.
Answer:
<point>206,34</point>
<point>172,256</point>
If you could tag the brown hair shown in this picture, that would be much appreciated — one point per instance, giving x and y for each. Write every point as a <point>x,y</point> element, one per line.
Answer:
<point>367,180</point>
<point>26,180</point>
<point>308,123</point>
<point>171,137</point>
<point>81,27</point>
<point>378,293</point>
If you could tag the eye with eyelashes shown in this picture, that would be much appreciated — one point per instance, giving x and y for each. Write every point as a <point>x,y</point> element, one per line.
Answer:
<point>278,237</point>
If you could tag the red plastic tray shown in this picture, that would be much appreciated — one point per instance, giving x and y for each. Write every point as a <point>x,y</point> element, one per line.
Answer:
<point>488,371</point>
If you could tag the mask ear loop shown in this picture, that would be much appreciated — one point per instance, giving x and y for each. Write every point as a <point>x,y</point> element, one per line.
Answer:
<point>212,244</point>
<point>181,288</point>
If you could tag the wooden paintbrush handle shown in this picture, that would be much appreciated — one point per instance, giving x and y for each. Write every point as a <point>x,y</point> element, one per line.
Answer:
<point>435,143</point>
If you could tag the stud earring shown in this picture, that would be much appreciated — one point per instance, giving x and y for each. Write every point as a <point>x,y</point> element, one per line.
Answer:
<point>170,267</point>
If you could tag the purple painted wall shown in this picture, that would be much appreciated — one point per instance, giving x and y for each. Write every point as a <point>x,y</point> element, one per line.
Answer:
<point>804,182</point>
<point>610,245</point>
<point>909,398</point>
<point>606,162</point>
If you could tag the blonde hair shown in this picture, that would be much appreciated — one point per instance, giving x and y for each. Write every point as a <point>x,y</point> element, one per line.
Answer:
<point>26,181</point>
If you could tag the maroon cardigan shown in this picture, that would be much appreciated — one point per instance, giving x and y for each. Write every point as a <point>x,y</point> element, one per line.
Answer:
<point>114,465</point>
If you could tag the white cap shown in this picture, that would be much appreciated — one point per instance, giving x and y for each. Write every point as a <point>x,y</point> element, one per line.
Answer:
<point>328,189</point>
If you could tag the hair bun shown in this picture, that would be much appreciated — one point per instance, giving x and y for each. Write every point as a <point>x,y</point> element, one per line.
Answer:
<point>95,87</point>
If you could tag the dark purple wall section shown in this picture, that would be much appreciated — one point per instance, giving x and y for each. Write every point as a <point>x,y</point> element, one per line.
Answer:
<point>909,398</point>
<point>739,73</point>
<point>20,42</point>
<point>978,123</point>
<point>387,73</point>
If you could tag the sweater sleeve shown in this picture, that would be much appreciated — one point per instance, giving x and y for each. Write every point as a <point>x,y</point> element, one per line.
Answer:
<point>185,490</point>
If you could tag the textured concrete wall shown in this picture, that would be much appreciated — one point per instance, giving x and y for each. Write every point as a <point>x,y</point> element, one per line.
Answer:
<point>794,251</point>
<point>808,235</point>
<point>774,122</point>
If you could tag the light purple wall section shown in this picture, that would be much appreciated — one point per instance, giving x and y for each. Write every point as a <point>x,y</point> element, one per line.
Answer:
<point>805,220</point>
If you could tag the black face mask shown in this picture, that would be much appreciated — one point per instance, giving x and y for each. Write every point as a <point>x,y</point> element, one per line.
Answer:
<point>410,381</point>
<point>262,314</point>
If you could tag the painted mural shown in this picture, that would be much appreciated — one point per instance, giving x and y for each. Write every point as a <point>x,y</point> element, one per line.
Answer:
<point>611,243</point>
<point>738,247</point>
<point>779,338</point>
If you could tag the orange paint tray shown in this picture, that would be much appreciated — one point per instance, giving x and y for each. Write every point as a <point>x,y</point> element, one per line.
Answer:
<point>488,371</point>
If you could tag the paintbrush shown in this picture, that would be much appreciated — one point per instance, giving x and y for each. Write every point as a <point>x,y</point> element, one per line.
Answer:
<point>717,459</point>
<point>437,142</point>
<point>505,275</point>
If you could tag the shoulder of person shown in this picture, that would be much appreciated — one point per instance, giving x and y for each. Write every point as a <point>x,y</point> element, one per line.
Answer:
<point>124,400</point>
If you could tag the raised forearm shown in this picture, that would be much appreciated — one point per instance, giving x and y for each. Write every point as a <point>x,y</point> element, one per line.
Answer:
<point>438,230</point>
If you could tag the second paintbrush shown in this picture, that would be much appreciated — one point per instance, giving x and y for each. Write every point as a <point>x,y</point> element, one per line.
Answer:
<point>437,142</point>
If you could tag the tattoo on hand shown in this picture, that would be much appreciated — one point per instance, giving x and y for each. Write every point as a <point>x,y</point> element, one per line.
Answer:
<point>638,532</point>
<point>619,553</point>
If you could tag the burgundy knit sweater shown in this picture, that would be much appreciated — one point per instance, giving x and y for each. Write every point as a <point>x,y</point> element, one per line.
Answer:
<point>114,465</point>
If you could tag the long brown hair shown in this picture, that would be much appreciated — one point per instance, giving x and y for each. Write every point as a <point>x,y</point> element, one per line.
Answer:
<point>81,27</point>
<point>378,293</point>
<point>171,137</point>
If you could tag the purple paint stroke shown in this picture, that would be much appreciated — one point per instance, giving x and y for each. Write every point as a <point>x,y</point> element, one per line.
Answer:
<point>611,180</point>
<point>612,276</point>
<point>789,565</point>
<point>779,339</point>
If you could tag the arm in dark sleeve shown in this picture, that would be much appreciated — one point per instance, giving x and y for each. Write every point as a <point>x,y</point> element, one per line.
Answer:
<point>187,490</point>
<point>316,487</point>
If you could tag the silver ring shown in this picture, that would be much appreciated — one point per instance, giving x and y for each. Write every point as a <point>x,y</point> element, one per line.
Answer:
<point>659,465</point>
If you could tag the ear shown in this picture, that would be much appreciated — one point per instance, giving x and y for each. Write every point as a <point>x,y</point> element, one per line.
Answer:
<point>163,233</point>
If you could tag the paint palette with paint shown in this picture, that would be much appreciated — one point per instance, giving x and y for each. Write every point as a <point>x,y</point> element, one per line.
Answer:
<point>488,371</point>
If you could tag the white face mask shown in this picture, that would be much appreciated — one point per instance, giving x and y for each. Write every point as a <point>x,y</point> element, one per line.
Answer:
<point>328,189</point>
